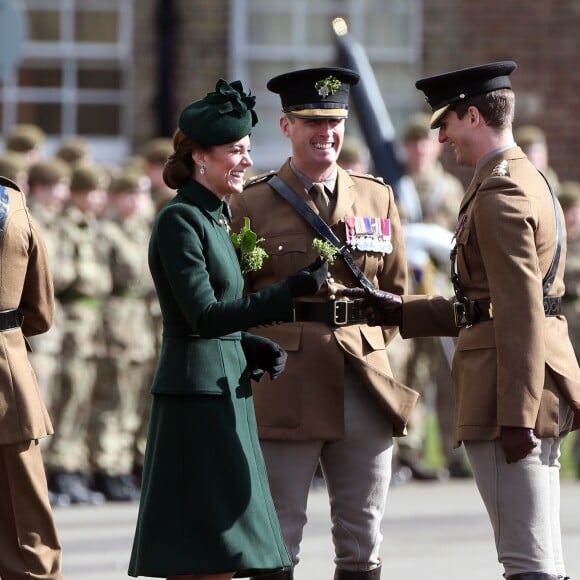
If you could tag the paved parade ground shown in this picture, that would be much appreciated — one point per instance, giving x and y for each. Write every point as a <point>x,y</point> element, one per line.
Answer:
<point>431,530</point>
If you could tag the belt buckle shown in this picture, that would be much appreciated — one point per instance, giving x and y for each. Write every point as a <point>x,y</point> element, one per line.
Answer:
<point>340,311</point>
<point>461,314</point>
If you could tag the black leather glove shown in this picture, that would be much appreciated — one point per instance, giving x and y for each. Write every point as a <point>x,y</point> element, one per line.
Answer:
<point>308,281</point>
<point>264,354</point>
<point>517,442</point>
<point>380,308</point>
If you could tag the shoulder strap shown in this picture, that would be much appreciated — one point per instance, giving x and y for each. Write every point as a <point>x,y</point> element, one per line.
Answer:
<point>552,271</point>
<point>318,224</point>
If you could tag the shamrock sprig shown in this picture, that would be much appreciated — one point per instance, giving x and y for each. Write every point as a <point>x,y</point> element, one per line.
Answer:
<point>252,256</point>
<point>327,86</point>
<point>327,250</point>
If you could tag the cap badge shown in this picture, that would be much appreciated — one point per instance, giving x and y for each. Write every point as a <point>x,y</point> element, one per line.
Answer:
<point>327,86</point>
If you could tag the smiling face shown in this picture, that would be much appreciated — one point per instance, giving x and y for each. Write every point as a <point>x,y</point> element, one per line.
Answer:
<point>458,133</point>
<point>316,143</point>
<point>225,167</point>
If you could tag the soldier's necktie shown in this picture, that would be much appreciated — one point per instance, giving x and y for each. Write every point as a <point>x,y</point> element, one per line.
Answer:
<point>321,199</point>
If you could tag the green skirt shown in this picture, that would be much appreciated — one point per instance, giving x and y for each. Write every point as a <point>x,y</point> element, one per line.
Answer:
<point>206,506</point>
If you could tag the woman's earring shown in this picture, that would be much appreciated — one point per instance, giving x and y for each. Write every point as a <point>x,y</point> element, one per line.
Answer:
<point>202,169</point>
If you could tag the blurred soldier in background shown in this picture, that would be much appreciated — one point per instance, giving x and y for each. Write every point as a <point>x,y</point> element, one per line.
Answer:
<point>27,139</point>
<point>74,151</point>
<point>82,242</point>
<point>427,369</point>
<point>534,144</point>
<point>570,201</point>
<point>48,190</point>
<point>120,397</point>
<point>354,155</point>
<point>14,166</point>
<point>155,154</point>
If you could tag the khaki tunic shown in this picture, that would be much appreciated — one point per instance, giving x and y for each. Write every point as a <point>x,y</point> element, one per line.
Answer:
<point>512,370</point>
<point>306,401</point>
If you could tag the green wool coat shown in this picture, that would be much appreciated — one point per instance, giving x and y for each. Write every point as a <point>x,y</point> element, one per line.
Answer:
<point>205,504</point>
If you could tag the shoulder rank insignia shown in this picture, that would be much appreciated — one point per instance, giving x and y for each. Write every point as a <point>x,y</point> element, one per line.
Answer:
<point>502,169</point>
<point>258,178</point>
<point>375,178</point>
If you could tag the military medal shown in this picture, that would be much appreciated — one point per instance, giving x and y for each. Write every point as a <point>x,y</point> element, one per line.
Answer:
<point>369,234</point>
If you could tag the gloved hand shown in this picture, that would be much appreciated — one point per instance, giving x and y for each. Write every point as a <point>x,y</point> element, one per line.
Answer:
<point>517,442</point>
<point>308,281</point>
<point>264,354</point>
<point>380,308</point>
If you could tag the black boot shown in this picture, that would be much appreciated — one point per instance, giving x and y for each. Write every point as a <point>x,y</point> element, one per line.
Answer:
<point>532,576</point>
<point>287,574</point>
<point>73,484</point>
<point>374,574</point>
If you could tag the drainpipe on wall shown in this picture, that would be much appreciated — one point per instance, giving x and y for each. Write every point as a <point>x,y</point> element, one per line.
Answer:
<point>166,27</point>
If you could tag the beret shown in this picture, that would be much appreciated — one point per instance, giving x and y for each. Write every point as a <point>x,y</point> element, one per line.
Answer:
<point>223,116</point>
<point>47,172</point>
<point>445,90</point>
<point>569,193</point>
<point>315,92</point>
<point>87,178</point>
<point>24,137</point>
<point>418,127</point>
<point>527,135</point>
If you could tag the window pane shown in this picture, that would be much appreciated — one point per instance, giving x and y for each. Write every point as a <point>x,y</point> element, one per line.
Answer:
<point>96,27</point>
<point>40,74</point>
<point>269,28</point>
<point>43,25</point>
<point>99,78</point>
<point>99,119</point>
<point>47,116</point>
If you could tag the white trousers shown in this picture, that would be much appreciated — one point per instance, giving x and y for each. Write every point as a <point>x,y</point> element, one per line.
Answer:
<point>357,471</point>
<point>522,500</point>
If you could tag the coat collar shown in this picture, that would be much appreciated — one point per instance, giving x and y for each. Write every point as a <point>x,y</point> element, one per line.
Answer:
<point>202,197</point>
<point>485,170</point>
<point>344,184</point>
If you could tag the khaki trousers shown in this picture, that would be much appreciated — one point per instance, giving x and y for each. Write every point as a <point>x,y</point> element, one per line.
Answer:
<point>29,544</point>
<point>357,471</point>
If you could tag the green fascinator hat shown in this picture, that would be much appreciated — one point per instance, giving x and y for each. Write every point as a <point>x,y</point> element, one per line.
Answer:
<point>223,116</point>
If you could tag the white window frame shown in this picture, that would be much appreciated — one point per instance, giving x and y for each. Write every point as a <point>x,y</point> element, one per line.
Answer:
<point>244,53</point>
<point>69,95</point>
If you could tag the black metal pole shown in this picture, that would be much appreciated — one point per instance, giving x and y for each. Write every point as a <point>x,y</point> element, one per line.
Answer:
<point>374,119</point>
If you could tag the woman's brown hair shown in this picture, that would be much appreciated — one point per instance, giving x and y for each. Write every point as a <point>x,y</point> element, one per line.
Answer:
<point>179,167</point>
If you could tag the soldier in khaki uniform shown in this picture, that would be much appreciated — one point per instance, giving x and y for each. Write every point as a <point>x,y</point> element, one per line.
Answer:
<point>121,396</point>
<point>517,381</point>
<point>337,402</point>
<point>29,544</point>
<point>81,242</point>
<point>48,188</point>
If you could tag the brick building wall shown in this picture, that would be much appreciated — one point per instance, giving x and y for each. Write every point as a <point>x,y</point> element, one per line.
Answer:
<point>541,36</point>
<point>197,43</point>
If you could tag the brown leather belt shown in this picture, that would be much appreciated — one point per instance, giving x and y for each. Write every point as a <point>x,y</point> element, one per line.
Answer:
<point>473,311</point>
<point>9,319</point>
<point>333,313</point>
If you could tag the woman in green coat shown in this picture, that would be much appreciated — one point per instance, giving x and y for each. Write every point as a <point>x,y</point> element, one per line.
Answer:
<point>206,510</point>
